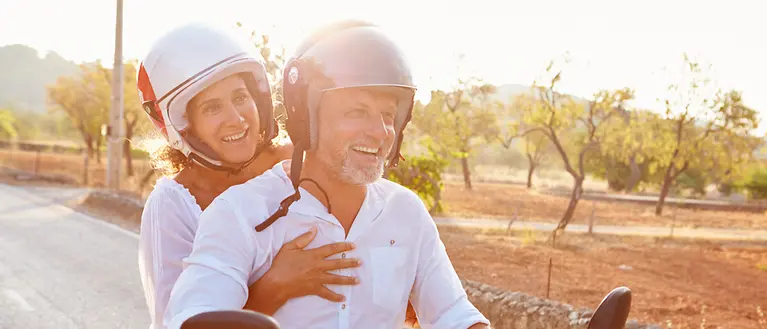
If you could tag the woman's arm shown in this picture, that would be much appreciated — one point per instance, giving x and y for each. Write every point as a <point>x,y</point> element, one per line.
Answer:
<point>296,272</point>
<point>165,239</point>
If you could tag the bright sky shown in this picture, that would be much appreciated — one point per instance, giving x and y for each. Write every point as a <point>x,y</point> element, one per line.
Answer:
<point>613,43</point>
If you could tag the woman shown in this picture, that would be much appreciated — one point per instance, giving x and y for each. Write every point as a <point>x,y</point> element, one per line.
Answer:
<point>208,94</point>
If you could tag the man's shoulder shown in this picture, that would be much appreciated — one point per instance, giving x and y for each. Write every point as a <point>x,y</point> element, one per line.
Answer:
<point>399,196</point>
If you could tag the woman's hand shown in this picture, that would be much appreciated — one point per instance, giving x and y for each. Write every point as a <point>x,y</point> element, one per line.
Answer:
<point>296,272</point>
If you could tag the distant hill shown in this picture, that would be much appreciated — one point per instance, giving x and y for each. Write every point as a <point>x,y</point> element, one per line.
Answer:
<point>24,75</point>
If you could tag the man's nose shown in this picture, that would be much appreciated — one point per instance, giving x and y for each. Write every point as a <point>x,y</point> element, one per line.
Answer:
<point>378,128</point>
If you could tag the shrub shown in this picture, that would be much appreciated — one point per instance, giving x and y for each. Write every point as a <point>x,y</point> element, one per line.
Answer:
<point>422,175</point>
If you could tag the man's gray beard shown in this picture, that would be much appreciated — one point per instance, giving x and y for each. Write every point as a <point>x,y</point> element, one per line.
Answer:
<point>341,166</point>
<point>358,176</point>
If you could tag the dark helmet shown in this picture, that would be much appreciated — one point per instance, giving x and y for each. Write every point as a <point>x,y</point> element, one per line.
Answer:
<point>349,54</point>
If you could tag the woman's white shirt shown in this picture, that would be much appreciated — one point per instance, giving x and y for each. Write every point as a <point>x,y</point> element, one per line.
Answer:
<point>168,225</point>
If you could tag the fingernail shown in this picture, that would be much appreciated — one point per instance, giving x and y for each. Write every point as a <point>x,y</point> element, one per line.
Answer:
<point>352,245</point>
<point>356,280</point>
<point>359,261</point>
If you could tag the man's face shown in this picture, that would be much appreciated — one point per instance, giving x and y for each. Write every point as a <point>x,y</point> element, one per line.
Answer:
<point>356,133</point>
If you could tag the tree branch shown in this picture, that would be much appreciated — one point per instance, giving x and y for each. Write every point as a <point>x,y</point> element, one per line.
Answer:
<point>561,150</point>
<point>581,166</point>
<point>679,172</point>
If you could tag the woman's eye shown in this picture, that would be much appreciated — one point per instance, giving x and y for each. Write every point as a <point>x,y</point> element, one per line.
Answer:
<point>239,99</point>
<point>211,109</point>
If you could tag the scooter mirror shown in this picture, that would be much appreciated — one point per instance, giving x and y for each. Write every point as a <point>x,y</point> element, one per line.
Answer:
<point>613,311</point>
<point>231,319</point>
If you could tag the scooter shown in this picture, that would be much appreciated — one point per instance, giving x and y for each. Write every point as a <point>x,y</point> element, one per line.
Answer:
<point>611,313</point>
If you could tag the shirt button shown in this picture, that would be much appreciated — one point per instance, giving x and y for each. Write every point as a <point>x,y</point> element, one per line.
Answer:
<point>343,255</point>
<point>343,306</point>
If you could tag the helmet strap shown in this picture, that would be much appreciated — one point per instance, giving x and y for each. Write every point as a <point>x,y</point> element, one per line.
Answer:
<point>295,177</point>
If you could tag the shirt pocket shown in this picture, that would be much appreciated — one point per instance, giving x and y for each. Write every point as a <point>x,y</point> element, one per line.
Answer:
<point>390,289</point>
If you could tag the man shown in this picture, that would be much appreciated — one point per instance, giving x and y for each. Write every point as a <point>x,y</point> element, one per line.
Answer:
<point>349,95</point>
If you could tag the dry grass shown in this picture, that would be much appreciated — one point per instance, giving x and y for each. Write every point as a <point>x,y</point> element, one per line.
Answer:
<point>70,168</point>
<point>543,178</point>
<point>492,200</point>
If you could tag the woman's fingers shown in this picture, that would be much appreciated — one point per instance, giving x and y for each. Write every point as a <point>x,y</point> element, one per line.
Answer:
<point>328,278</point>
<point>324,292</point>
<point>338,264</point>
<point>332,249</point>
<point>303,240</point>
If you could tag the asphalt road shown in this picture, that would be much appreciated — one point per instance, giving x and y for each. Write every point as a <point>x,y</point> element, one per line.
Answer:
<point>62,269</point>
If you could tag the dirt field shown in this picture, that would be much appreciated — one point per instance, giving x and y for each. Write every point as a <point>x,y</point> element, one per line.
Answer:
<point>503,201</point>
<point>671,281</point>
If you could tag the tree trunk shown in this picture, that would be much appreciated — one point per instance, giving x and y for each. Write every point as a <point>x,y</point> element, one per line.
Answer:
<point>466,173</point>
<point>127,150</point>
<point>667,180</point>
<point>530,171</point>
<point>89,145</point>
<point>575,196</point>
<point>635,175</point>
<point>98,150</point>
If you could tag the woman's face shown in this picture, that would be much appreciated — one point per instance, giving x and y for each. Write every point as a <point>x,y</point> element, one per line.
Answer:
<point>225,117</point>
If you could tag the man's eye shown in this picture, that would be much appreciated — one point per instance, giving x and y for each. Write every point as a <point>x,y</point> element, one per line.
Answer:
<point>357,113</point>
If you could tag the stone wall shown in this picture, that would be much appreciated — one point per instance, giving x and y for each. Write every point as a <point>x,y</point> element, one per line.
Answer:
<point>515,310</point>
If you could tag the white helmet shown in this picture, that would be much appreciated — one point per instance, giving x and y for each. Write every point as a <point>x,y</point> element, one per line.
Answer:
<point>182,63</point>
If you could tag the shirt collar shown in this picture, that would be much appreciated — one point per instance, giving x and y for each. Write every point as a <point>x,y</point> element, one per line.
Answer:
<point>309,205</point>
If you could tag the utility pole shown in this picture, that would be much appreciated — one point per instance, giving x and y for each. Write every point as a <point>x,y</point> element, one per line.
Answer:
<point>116,131</point>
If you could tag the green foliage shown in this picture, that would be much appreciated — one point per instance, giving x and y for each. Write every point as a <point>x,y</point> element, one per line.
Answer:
<point>7,122</point>
<point>709,129</point>
<point>86,99</point>
<point>455,123</point>
<point>422,175</point>
<point>30,125</point>
<point>457,129</point>
<point>753,181</point>
<point>693,180</point>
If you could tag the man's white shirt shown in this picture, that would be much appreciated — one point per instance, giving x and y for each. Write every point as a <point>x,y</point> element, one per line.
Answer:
<point>396,239</point>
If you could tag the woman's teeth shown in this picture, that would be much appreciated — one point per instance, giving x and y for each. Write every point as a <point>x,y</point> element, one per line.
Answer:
<point>236,137</point>
<point>369,150</point>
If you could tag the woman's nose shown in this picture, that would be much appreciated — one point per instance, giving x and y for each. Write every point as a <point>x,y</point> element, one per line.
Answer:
<point>233,115</point>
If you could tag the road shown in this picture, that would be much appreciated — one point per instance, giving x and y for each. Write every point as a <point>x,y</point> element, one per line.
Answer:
<point>62,269</point>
